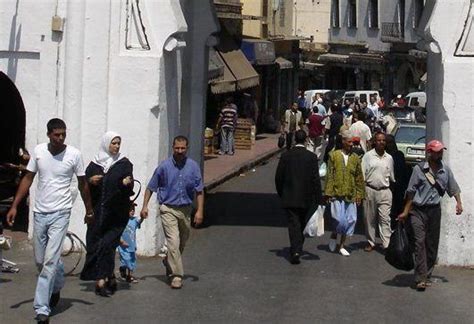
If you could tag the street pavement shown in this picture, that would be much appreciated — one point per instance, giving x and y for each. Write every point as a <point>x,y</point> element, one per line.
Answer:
<point>237,271</point>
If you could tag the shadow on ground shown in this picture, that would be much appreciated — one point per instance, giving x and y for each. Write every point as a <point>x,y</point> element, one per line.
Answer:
<point>165,279</point>
<point>285,253</point>
<point>244,209</point>
<point>407,280</point>
<point>63,305</point>
<point>256,209</point>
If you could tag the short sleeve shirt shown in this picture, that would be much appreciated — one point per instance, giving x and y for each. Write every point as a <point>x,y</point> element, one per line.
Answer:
<point>54,177</point>
<point>425,194</point>
<point>176,184</point>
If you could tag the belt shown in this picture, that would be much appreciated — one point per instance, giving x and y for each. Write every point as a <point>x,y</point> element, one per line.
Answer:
<point>375,188</point>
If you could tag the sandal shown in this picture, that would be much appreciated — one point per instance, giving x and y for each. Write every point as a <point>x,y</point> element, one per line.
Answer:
<point>421,286</point>
<point>132,279</point>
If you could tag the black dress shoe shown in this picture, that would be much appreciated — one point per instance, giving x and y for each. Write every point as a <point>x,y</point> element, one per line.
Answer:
<point>54,300</point>
<point>101,291</point>
<point>111,285</point>
<point>42,319</point>
<point>295,258</point>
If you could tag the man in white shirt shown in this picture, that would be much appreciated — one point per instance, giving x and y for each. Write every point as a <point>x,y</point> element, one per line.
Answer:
<point>377,166</point>
<point>55,163</point>
<point>374,107</point>
<point>360,129</point>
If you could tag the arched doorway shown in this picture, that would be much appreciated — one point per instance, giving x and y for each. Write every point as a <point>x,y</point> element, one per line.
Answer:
<point>12,145</point>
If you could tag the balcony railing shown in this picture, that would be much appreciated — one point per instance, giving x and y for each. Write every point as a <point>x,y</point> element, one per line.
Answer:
<point>392,32</point>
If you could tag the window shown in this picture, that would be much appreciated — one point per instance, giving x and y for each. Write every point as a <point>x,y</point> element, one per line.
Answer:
<point>373,14</point>
<point>419,4</point>
<point>352,19</point>
<point>282,13</point>
<point>335,14</point>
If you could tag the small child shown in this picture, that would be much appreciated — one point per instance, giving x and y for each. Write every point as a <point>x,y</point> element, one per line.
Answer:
<point>128,246</point>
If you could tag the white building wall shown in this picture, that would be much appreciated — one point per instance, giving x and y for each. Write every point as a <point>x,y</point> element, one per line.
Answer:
<point>86,76</point>
<point>361,34</point>
<point>450,98</point>
<point>312,19</point>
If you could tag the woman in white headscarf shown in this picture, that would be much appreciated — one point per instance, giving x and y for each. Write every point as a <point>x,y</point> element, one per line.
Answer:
<point>110,176</point>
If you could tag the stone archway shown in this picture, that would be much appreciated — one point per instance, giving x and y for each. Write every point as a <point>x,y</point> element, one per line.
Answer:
<point>12,134</point>
<point>406,81</point>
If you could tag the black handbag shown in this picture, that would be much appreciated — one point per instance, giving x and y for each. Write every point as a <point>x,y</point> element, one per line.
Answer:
<point>281,141</point>
<point>399,253</point>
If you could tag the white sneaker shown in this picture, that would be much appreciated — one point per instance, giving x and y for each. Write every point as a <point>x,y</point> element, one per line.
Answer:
<point>344,252</point>
<point>332,245</point>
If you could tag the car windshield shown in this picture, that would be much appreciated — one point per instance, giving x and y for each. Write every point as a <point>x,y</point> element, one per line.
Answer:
<point>411,135</point>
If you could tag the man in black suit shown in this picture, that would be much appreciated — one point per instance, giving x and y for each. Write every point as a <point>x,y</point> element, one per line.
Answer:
<point>299,187</point>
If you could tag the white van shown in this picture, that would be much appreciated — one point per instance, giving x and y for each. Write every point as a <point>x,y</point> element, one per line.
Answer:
<point>363,95</point>
<point>308,95</point>
<point>413,97</point>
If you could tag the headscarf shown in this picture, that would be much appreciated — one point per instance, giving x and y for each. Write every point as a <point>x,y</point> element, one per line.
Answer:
<point>104,158</point>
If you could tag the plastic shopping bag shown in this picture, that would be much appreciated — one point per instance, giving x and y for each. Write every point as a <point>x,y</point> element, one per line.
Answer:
<point>399,253</point>
<point>315,225</point>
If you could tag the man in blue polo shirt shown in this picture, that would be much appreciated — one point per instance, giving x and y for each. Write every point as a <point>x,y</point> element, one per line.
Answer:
<point>176,180</point>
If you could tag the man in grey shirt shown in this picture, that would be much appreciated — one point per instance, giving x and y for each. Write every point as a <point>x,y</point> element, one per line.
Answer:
<point>428,183</point>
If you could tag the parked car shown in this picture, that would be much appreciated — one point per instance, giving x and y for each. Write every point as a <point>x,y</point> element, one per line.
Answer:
<point>414,97</point>
<point>410,139</point>
<point>363,95</point>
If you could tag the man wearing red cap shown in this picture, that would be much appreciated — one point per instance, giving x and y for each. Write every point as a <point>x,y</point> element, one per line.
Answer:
<point>428,183</point>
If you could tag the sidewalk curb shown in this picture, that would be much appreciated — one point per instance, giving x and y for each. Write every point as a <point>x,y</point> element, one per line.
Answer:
<point>241,168</point>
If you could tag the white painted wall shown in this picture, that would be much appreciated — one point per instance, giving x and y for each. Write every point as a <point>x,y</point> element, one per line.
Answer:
<point>312,19</point>
<point>87,77</point>
<point>450,96</point>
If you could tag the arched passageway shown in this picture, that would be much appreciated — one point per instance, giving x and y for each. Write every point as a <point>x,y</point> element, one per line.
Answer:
<point>12,147</point>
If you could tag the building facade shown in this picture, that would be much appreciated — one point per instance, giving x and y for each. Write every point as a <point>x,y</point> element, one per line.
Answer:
<point>115,65</point>
<point>373,46</point>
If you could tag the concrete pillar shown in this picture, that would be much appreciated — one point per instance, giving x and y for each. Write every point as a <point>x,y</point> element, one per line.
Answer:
<point>448,38</point>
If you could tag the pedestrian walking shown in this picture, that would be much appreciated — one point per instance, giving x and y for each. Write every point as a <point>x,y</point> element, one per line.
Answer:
<point>55,163</point>
<point>177,181</point>
<point>301,104</point>
<point>128,247</point>
<point>344,190</point>
<point>335,124</point>
<point>110,176</point>
<point>378,169</point>
<point>402,175</point>
<point>360,129</point>
<point>429,182</point>
<point>316,131</point>
<point>299,187</point>
<point>227,122</point>
<point>293,120</point>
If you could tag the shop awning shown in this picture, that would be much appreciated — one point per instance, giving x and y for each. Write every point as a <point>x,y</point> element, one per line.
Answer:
<point>226,84</point>
<point>369,58</point>
<point>216,67</point>
<point>238,73</point>
<point>310,65</point>
<point>258,51</point>
<point>337,58</point>
<point>283,63</point>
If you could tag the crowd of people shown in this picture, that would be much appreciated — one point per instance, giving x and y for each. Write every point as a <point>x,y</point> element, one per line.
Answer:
<point>365,178</point>
<point>106,188</point>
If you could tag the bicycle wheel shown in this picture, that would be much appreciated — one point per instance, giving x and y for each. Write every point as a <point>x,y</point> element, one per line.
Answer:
<point>73,254</point>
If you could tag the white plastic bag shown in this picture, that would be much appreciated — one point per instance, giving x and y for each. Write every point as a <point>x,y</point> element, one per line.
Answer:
<point>322,170</point>
<point>315,225</point>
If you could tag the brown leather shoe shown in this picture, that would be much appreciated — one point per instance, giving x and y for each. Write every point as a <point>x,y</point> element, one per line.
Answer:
<point>176,283</point>
<point>369,248</point>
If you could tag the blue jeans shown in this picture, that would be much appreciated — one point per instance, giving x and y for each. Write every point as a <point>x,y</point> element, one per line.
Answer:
<point>227,140</point>
<point>48,236</point>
